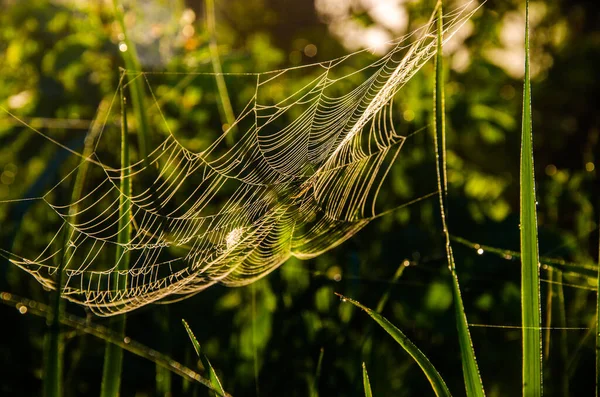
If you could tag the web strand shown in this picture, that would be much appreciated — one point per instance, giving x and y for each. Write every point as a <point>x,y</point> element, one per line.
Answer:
<point>302,176</point>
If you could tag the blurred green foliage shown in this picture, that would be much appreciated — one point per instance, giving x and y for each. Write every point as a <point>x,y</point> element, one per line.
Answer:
<point>59,60</point>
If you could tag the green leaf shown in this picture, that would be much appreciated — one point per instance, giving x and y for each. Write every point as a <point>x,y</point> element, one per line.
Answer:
<point>437,383</point>
<point>212,375</point>
<point>473,384</point>
<point>530,278</point>
<point>366,383</point>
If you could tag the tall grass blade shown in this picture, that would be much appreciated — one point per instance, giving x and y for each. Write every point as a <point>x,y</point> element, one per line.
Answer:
<point>132,64</point>
<point>366,383</point>
<point>436,381</point>
<point>225,108</point>
<point>53,368</point>
<point>473,384</point>
<point>530,278</point>
<point>212,375</point>
<point>113,357</point>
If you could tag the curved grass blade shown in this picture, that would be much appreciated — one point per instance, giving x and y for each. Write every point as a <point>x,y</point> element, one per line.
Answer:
<point>212,375</point>
<point>530,278</point>
<point>113,357</point>
<point>366,383</point>
<point>473,384</point>
<point>436,381</point>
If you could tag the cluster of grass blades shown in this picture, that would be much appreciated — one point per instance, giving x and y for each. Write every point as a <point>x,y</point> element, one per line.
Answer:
<point>530,289</point>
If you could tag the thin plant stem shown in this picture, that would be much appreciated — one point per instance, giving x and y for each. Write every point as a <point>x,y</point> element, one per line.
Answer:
<point>225,108</point>
<point>113,357</point>
<point>473,383</point>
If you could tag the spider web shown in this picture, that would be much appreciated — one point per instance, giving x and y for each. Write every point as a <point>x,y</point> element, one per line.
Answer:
<point>292,177</point>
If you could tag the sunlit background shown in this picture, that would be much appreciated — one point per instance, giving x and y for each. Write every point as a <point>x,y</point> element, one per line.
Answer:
<point>60,60</point>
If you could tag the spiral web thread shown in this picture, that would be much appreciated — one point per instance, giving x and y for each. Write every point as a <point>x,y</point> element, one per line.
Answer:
<point>232,214</point>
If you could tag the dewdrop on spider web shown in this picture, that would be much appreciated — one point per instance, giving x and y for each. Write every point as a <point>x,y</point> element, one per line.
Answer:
<point>233,237</point>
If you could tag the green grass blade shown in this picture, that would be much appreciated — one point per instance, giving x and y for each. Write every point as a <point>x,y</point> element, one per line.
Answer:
<point>530,279</point>
<point>436,381</point>
<point>473,384</point>
<point>113,357</point>
<point>53,368</point>
<point>366,383</point>
<point>386,295</point>
<point>192,337</point>
<point>132,63</point>
<point>53,359</point>
<point>212,375</point>
<point>225,108</point>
